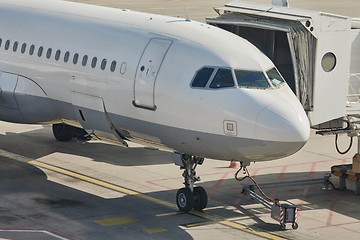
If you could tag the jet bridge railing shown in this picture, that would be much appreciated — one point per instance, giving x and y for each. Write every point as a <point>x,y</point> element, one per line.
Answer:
<point>353,97</point>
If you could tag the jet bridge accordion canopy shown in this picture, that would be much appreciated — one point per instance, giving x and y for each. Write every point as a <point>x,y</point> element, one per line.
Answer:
<point>311,49</point>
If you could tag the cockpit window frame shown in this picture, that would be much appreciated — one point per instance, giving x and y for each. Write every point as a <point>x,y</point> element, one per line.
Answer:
<point>211,78</point>
<point>271,81</point>
<point>270,86</point>
<point>225,87</point>
<point>208,81</point>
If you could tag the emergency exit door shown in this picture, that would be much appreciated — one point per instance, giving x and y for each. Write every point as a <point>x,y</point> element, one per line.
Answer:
<point>147,72</point>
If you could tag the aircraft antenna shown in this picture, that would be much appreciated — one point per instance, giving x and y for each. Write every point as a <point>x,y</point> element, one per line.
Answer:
<point>281,3</point>
<point>187,15</point>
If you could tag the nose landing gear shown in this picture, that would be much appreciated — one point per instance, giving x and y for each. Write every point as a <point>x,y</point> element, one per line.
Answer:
<point>190,197</point>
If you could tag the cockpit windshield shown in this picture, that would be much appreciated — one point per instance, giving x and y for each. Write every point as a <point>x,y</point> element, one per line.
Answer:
<point>217,77</point>
<point>251,79</point>
<point>275,77</point>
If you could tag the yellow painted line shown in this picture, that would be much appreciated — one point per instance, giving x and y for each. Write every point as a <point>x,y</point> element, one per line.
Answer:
<point>237,226</point>
<point>214,208</point>
<point>191,225</point>
<point>239,218</point>
<point>155,230</point>
<point>167,214</point>
<point>115,221</point>
<point>152,199</point>
<point>101,183</point>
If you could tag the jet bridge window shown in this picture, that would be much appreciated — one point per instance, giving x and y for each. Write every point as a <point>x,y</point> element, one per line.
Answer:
<point>223,79</point>
<point>202,77</point>
<point>251,79</point>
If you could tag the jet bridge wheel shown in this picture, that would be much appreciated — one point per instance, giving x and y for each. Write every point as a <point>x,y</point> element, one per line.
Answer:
<point>63,132</point>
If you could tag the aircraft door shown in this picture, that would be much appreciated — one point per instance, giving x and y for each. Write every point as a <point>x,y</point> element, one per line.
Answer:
<point>147,72</point>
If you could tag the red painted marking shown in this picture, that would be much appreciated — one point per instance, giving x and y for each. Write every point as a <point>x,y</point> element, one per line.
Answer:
<point>312,169</point>
<point>282,173</point>
<point>254,172</point>
<point>331,212</point>
<point>301,204</point>
<point>279,179</point>
<point>217,185</point>
<point>338,225</point>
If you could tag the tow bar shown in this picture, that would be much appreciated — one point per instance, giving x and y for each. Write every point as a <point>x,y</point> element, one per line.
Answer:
<point>281,212</point>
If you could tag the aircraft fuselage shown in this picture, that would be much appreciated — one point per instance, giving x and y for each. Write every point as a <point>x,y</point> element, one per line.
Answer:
<point>131,74</point>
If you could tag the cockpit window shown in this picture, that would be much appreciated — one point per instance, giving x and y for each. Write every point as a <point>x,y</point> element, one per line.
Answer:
<point>223,79</point>
<point>202,77</point>
<point>251,79</point>
<point>275,77</point>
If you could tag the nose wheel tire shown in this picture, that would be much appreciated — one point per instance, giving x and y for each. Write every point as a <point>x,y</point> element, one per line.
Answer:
<point>185,200</point>
<point>200,198</point>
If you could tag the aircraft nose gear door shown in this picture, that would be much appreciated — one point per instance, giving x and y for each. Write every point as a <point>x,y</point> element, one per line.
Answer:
<point>147,72</point>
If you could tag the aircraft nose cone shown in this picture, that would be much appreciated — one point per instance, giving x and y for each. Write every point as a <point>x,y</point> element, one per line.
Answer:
<point>282,122</point>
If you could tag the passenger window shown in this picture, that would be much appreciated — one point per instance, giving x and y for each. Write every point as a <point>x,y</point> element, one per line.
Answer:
<point>223,79</point>
<point>76,58</point>
<point>40,52</point>
<point>113,66</point>
<point>0,42</point>
<point>94,62</point>
<point>32,50</point>
<point>275,77</point>
<point>251,79</point>
<point>202,77</point>
<point>66,57</point>
<point>7,45</point>
<point>23,48</point>
<point>48,54</point>
<point>15,47</point>
<point>103,64</point>
<point>123,68</point>
<point>85,59</point>
<point>57,55</point>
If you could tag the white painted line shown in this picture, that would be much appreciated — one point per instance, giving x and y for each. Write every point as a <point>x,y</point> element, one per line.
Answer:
<point>34,231</point>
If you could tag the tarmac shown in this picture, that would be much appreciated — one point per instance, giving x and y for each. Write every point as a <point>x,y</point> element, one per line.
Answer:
<point>94,190</point>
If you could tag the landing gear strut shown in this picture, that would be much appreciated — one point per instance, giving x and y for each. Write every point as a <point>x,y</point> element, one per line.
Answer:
<point>190,197</point>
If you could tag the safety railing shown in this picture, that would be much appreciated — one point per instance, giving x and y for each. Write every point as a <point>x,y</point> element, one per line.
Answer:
<point>353,96</point>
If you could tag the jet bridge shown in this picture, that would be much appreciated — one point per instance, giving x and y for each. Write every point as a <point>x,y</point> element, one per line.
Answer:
<point>317,53</point>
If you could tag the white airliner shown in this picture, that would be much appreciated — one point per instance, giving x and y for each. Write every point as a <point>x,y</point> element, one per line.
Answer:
<point>186,86</point>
